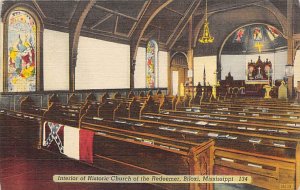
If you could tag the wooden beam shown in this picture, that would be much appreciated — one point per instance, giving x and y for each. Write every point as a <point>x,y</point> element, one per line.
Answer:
<point>115,12</point>
<point>116,25</point>
<point>37,6</point>
<point>223,9</point>
<point>76,24</point>
<point>102,20</point>
<point>174,11</point>
<point>155,6</point>
<point>182,23</point>
<point>141,13</point>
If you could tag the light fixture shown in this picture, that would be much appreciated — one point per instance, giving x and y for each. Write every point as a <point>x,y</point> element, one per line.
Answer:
<point>206,37</point>
<point>289,70</point>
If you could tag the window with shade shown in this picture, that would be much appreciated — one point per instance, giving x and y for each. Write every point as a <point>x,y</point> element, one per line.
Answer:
<point>152,64</point>
<point>21,55</point>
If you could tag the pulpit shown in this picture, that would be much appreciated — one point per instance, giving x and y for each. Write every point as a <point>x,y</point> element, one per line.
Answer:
<point>268,89</point>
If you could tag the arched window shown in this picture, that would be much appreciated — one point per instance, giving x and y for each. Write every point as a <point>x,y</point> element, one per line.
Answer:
<point>152,64</point>
<point>21,51</point>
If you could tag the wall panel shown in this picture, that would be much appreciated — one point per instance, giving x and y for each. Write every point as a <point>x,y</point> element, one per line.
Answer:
<point>56,60</point>
<point>102,65</point>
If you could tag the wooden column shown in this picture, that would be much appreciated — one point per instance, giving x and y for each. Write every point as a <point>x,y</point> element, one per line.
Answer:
<point>170,90</point>
<point>190,55</point>
<point>132,69</point>
<point>76,23</point>
<point>298,166</point>
<point>290,56</point>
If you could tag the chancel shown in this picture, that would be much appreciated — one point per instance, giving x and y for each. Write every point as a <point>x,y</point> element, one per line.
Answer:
<point>95,90</point>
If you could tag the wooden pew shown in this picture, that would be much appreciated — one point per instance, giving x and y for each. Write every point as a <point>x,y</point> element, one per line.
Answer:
<point>240,117</point>
<point>241,112</point>
<point>128,108</point>
<point>27,105</point>
<point>247,153</point>
<point>120,149</point>
<point>256,105</point>
<point>265,109</point>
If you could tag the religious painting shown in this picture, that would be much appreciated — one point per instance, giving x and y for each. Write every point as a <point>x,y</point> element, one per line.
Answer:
<point>151,62</point>
<point>21,72</point>
<point>257,33</point>
<point>272,32</point>
<point>239,36</point>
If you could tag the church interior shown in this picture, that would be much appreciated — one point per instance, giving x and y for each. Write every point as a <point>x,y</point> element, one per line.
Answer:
<point>150,87</point>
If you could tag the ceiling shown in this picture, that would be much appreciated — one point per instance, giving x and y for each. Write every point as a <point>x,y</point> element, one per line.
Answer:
<point>119,20</point>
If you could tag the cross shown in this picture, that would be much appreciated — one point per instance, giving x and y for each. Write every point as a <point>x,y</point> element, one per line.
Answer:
<point>259,70</point>
<point>258,45</point>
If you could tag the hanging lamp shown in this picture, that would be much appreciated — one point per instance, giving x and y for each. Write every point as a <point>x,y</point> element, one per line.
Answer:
<point>206,37</point>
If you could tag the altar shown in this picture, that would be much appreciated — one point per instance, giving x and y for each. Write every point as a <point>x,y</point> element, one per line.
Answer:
<point>259,72</point>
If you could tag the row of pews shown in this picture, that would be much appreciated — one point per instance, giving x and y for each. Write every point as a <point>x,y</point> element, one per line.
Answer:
<point>158,134</point>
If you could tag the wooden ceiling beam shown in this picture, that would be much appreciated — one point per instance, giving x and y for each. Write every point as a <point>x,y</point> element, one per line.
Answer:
<point>37,6</point>
<point>102,20</point>
<point>153,9</point>
<point>141,13</point>
<point>182,23</point>
<point>115,12</point>
<point>174,11</point>
<point>223,9</point>
<point>116,25</point>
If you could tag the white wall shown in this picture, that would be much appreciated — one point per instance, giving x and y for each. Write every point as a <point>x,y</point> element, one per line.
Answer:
<point>163,69</point>
<point>102,65</point>
<point>297,68</point>
<point>237,64</point>
<point>280,62</point>
<point>1,56</point>
<point>210,63</point>
<point>140,69</point>
<point>56,60</point>
<point>233,64</point>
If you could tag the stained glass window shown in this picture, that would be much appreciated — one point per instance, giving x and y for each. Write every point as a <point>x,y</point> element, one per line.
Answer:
<point>151,65</point>
<point>21,50</point>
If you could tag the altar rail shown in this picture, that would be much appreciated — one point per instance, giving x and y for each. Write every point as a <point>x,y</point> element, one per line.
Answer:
<point>11,101</point>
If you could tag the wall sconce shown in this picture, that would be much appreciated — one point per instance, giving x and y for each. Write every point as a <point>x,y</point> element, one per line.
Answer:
<point>289,70</point>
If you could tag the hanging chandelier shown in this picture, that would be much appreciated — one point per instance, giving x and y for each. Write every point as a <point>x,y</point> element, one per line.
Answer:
<point>206,37</point>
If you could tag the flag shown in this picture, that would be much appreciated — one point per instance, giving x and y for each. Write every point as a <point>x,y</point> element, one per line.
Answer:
<point>53,137</point>
<point>78,144</point>
<point>86,139</point>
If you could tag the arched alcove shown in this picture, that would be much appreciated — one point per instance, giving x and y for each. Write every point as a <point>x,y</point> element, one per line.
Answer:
<point>254,54</point>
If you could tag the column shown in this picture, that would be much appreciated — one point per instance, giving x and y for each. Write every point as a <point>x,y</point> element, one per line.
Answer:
<point>290,43</point>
